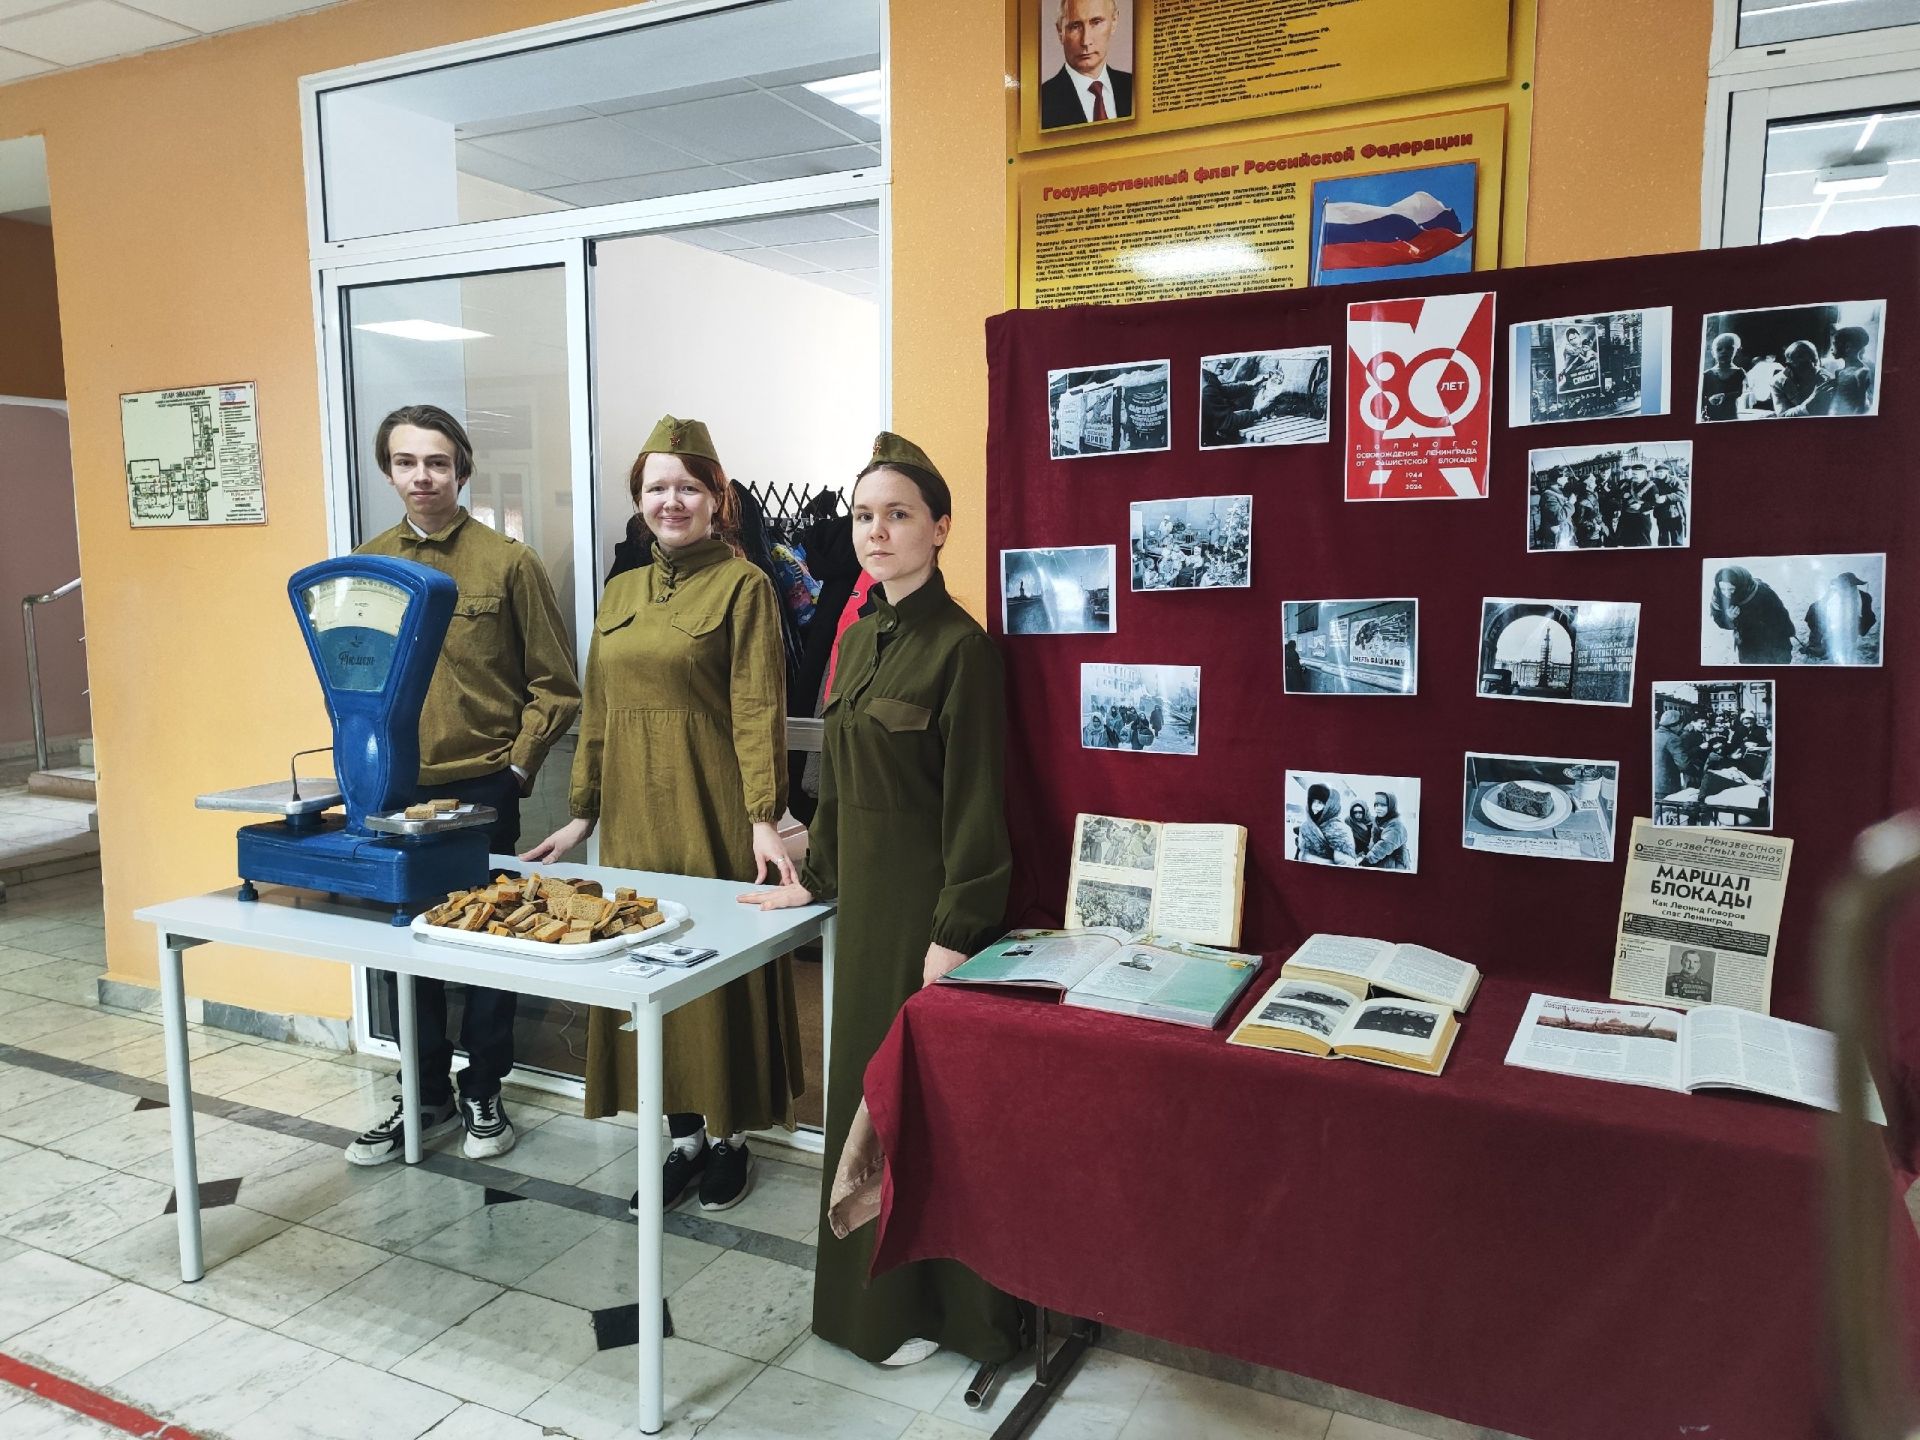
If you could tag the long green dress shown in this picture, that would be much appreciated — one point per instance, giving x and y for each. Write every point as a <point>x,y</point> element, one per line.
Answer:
<point>682,748</point>
<point>912,837</point>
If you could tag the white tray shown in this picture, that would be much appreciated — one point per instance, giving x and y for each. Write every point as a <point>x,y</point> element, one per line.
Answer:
<point>676,913</point>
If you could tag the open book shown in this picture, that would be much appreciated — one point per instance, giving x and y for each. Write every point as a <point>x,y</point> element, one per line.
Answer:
<point>1714,1046</point>
<point>1180,882</point>
<point>1356,965</point>
<point>1323,1020</point>
<point>1148,976</point>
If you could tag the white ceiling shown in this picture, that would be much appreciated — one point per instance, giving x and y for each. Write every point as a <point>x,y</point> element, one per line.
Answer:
<point>839,249</point>
<point>676,142</point>
<point>1773,22</point>
<point>41,36</point>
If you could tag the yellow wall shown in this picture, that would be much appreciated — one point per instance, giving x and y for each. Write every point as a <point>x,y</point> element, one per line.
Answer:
<point>29,313</point>
<point>181,240</point>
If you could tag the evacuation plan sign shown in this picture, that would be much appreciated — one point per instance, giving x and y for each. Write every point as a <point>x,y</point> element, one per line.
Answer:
<point>193,456</point>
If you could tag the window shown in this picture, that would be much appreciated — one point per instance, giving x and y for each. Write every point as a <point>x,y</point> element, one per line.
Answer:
<point>771,91</point>
<point>1813,119</point>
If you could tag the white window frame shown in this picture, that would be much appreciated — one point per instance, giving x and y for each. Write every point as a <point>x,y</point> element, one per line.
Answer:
<point>1748,87</point>
<point>564,237</point>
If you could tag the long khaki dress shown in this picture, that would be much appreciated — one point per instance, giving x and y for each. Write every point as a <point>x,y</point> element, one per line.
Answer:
<point>682,748</point>
<point>912,836</point>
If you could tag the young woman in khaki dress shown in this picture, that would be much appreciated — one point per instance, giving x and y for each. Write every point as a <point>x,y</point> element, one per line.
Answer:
<point>912,837</point>
<point>682,762</point>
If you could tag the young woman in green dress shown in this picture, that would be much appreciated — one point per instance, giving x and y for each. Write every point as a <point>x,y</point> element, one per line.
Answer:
<point>682,763</point>
<point>912,838</point>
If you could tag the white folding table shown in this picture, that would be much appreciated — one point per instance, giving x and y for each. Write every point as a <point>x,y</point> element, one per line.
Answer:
<point>300,922</point>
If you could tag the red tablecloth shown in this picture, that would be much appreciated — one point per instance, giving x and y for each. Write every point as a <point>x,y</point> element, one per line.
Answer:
<point>1559,1258</point>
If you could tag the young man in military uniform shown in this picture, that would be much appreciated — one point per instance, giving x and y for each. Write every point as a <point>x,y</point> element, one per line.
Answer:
<point>503,692</point>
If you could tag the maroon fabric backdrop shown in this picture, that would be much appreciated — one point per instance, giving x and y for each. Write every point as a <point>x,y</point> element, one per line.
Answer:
<point>1846,750</point>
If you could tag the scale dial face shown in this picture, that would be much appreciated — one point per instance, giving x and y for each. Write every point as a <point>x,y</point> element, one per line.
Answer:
<point>356,622</point>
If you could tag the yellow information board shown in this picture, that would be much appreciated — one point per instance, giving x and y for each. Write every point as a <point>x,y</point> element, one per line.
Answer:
<point>1266,211</point>
<point>1162,65</point>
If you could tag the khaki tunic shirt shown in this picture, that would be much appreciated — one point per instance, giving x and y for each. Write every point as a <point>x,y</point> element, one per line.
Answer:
<point>504,690</point>
<point>682,749</point>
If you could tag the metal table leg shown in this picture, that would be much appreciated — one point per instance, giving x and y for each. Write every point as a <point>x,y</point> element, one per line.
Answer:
<point>1051,1372</point>
<point>409,1068</point>
<point>649,1119</point>
<point>186,1168</point>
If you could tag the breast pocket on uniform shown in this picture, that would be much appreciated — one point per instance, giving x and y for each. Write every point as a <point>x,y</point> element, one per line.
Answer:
<point>899,715</point>
<point>607,624</point>
<point>698,622</point>
<point>474,630</point>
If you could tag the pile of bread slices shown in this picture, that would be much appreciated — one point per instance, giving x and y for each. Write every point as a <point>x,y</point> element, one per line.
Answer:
<point>553,912</point>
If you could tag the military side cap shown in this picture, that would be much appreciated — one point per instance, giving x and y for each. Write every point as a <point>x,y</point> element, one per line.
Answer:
<point>680,437</point>
<point>892,449</point>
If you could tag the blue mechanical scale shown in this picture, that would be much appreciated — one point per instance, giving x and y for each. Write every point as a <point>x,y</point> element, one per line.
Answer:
<point>373,626</point>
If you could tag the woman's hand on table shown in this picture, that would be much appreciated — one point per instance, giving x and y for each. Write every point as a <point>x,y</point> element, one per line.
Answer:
<point>781,897</point>
<point>569,836</point>
<point>770,858</point>
<point>940,961</point>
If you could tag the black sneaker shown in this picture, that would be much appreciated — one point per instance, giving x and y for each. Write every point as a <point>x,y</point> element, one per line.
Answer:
<point>387,1140</point>
<point>675,1176</point>
<point>489,1132</point>
<point>729,1169</point>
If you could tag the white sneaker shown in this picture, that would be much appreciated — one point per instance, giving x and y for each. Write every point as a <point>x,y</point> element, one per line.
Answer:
<point>912,1352</point>
<point>387,1140</point>
<point>489,1132</point>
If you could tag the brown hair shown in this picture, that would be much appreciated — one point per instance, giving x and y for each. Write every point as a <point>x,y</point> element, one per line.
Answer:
<point>932,488</point>
<point>424,417</point>
<point>713,479</point>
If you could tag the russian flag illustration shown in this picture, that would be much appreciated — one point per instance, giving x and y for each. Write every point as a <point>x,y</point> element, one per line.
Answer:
<point>1354,236</point>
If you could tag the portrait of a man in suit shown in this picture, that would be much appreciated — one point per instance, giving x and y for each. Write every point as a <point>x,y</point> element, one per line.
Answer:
<point>1085,90</point>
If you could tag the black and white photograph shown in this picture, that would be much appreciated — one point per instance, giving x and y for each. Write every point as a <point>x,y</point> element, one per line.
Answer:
<point>1540,807</point>
<point>1205,543</point>
<point>1116,844</point>
<point>1103,904</point>
<point>1798,362</point>
<point>1068,591</point>
<point>1363,822</point>
<point>1575,652</point>
<point>1153,708</point>
<point>1610,497</point>
<point>1793,610</point>
<point>1590,367</point>
<point>1301,1017</point>
<point>1713,753</point>
<point>1265,397</point>
<point>1108,409</point>
<point>1350,647</point>
<point>1397,1020</point>
<point>1690,973</point>
<point>1308,993</point>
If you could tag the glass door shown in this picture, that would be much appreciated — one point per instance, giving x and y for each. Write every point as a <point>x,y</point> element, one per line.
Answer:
<point>498,339</point>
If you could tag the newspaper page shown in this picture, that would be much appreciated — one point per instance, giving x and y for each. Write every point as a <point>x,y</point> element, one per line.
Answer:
<point>1631,1044</point>
<point>1700,917</point>
<point>1776,1057</point>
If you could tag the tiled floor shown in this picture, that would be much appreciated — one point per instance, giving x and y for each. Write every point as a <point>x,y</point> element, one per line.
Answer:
<point>453,1301</point>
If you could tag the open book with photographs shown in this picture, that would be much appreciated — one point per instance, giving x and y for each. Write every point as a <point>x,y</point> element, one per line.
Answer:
<point>1181,882</point>
<point>1711,1047</point>
<point>1324,1003</point>
<point>1149,976</point>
